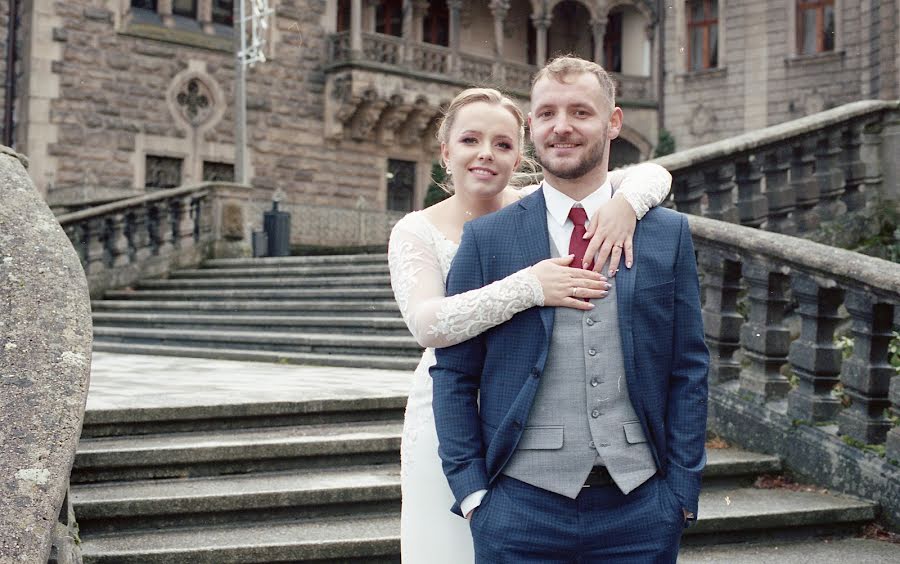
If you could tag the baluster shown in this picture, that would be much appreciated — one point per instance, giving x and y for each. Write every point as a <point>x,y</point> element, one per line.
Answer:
<point>870,152</point>
<point>806,185</point>
<point>76,234</point>
<point>153,229</point>
<point>721,320</point>
<point>129,231</point>
<point>720,192</point>
<point>779,193</point>
<point>830,175</point>
<point>183,224</point>
<point>143,246</point>
<point>95,240</point>
<point>166,240</point>
<point>752,204</point>
<point>688,192</point>
<point>764,337</point>
<point>116,242</point>
<point>892,443</point>
<point>815,359</point>
<point>854,167</point>
<point>867,374</point>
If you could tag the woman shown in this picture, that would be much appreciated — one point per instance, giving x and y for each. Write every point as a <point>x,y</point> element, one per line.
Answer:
<point>482,135</point>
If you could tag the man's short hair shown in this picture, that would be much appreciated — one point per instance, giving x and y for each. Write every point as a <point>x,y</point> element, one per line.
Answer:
<point>564,66</point>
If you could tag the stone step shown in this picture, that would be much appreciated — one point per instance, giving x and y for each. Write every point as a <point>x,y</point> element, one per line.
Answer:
<point>283,357</point>
<point>269,307</point>
<point>779,513</point>
<point>380,281</point>
<point>215,500</point>
<point>370,539</point>
<point>224,416</point>
<point>820,551</point>
<point>277,270</point>
<point>277,323</point>
<point>218,452</point>
<point>316,343</point>
<point>378,258</point>
<point>311,494</point>
<point>343,294</point>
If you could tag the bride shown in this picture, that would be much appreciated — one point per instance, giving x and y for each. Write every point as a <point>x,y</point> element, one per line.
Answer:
<point>482,136</point>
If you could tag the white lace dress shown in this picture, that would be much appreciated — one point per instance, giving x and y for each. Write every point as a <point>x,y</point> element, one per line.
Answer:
<point>420,256</point>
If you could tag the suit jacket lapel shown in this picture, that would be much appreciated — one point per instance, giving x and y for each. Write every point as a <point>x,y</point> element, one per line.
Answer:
<point>624,300</point>
<point>534,240</point>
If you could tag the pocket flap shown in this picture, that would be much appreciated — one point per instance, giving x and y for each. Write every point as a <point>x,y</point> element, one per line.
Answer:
<point>541,438</point>
<point>634,433</point>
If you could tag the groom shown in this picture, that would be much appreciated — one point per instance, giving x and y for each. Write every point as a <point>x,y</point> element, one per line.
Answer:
<point>569,435</point>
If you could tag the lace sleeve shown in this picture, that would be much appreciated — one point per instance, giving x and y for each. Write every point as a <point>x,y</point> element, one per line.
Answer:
<point>436,320</point>
<point>644,185</point>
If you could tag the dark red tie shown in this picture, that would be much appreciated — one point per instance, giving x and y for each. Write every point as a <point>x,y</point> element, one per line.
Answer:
<point>577,243</point>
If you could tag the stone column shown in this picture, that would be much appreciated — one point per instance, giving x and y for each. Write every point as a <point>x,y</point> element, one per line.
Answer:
<point>499,9</point>
<point>541,25</point>
<point>455,7</point>
<point>204,16</point>
<point>815,359</point>
<point>356,45</point>
<point>164,9</point>
<point>598,29</point>
<point>764,337</point>
<point>408,21</point>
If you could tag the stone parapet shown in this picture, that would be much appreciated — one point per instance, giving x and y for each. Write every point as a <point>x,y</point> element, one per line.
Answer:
<point>45,358</point>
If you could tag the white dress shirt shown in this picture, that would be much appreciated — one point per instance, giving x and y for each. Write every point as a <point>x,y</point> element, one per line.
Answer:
<point>560,227</point>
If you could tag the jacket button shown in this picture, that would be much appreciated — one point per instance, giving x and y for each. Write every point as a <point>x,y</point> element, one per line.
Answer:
<point>516,425</point>
<point>535,373</point>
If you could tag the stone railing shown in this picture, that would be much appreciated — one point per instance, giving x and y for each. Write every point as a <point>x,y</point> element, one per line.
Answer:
<point>429,61</point>
<point>45,361</point>
<point>799,397</point>
<point>793,177</point>
<point>148,236</point>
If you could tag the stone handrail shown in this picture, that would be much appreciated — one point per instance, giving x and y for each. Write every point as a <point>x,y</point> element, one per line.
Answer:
<point>148,236</point>
<point>45,358</point>
<point>789,178</point>
<point>764,382</point>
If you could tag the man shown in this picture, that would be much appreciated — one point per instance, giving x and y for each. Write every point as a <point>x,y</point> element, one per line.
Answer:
<point>568,435</point>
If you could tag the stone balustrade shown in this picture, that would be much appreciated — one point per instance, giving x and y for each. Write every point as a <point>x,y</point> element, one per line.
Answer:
<point>793,177</point>
<point>45,362</point>
<point>396,55</point>
<point>147,236</point>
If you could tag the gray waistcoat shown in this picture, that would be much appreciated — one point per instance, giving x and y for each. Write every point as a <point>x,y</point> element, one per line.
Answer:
<point>582,415</point>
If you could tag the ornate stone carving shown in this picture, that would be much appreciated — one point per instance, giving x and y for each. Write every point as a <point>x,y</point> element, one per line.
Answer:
<point>195,101</point>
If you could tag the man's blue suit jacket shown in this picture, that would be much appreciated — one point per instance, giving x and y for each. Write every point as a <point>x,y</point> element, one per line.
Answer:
<point>666,358</point>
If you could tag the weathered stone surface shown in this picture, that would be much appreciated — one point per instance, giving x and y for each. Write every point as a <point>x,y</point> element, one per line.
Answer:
<point>45,352</point>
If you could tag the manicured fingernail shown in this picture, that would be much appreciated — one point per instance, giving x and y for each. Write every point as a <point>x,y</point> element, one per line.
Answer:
<point>608,286</point>
<point>590,305</point>
<point>628,264</point>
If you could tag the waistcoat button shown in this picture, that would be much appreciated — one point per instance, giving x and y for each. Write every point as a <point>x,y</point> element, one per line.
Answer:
<point>595,414</point>
<point>595,382</point>
<point>592,352</point>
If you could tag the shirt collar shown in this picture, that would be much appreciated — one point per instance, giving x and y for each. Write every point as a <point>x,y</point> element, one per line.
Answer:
<point>558,204</point>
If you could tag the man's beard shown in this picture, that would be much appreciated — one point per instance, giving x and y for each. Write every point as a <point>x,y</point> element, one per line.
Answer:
<point>588,162</point>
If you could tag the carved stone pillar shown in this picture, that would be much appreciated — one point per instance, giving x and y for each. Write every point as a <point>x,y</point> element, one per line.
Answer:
<point>805,185</point>
<point>721,320</point>
<point>408,21</point>
<point>751,204</point>
<point>892,443</point>
<point>854,167</point>
<point>541,25</point>
<point>455,7</point>
<point>204,16</point>
<point>815,359</point>
<point>356,43</point>
<point>164,9</point>
<point>598,29</point>
<point>95,248</point>
<point>499,9</point>
<point>117,241</point>
<point>779,193</point>
<point>867,374</point>
<point>720,192</point>
<point>764,337</point>
<point>830,175</point>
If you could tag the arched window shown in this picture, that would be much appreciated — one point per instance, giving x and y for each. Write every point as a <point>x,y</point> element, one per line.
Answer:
<point>436,24</point>
<point>389,17</point>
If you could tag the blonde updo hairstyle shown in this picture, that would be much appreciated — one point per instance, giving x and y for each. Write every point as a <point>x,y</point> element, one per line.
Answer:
<point>493,97</point>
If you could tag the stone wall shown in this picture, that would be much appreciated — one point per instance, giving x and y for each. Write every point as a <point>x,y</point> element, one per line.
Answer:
<point>760,80</point>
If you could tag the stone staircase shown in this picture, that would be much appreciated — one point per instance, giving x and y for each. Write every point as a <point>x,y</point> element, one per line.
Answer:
<point>329,310</point>
<point>319,482</point>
